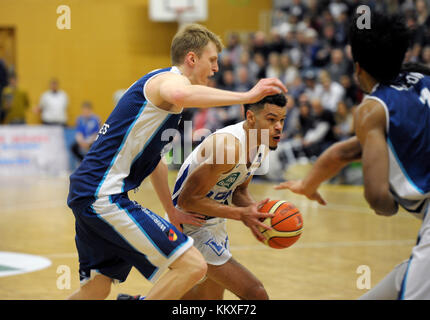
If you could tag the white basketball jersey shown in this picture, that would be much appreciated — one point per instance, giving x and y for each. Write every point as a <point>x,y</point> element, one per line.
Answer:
<point>224,188</point>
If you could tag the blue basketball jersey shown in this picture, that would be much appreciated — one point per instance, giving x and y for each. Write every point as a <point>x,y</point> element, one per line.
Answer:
<point>127,149</point>
<point>407,106</point>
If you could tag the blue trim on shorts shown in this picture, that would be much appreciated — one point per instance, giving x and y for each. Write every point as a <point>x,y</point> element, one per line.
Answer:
<point>138,225</point>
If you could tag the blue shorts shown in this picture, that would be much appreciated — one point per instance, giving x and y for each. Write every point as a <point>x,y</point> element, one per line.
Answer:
<point>116,233</point>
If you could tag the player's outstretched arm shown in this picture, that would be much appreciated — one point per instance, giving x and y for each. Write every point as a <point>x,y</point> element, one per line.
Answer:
<point>327,166</point>
<point>370,127</point>
<point>160,183</point>
<point>177,90</point>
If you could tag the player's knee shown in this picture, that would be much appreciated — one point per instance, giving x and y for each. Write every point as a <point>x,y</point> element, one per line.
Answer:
<point>97,289</point>
<point>195,264</point>
<point>257,292</point>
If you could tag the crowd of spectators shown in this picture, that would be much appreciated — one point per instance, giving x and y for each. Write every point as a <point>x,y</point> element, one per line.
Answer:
<point>307,48</point>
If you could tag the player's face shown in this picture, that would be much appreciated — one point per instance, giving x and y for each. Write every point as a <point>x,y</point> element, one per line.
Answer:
<point>271,118</point>
<point>206,65</point>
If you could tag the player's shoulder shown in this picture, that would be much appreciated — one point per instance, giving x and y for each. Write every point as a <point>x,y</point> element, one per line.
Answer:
<point>370,113</point>
<point>221,148</point>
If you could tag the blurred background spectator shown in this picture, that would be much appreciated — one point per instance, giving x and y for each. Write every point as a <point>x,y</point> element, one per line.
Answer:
<point>53,105</point>
<point>14,102</point>
<point>87,128</point>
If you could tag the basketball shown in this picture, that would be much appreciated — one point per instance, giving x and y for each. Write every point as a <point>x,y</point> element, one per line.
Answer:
<point>287,224</point>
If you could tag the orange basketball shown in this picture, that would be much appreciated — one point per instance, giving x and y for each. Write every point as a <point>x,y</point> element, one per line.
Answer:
<point>287,224</point>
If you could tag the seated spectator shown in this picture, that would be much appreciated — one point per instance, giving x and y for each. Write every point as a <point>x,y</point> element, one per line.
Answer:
<point>87,128</point>
<point>53,105</point>
<point>289,71</point>
<point>344,122</point>
<point>313,88</point>
<point>353,95</point>
<point>332,93</point>
<point>338,65</point>
<point>243,82</point>
<point>258,66</point>
<point>14,102</point>
<point>273,69</point>
<point>321,136</point>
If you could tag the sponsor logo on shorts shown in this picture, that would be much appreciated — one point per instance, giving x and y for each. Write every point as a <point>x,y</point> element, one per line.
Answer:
<point>218,248</point>
<point>172,235</point>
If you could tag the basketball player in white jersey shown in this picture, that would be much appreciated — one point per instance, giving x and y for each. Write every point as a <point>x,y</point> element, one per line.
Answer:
<point>392,127</point>
<point>213,181</point>
<point>113,233</point>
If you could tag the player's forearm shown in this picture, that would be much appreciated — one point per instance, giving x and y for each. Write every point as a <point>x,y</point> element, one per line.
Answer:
<point>197,96</point>
<point>242,198</point>
<point>159,180</point>
<point>209,207</point>
<point>332,161</point>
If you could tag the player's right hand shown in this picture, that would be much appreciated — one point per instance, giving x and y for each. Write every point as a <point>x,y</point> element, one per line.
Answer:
<point>299,188</point>
<point>265,87</point>
<point>178,217</point>
<point>253,218</point>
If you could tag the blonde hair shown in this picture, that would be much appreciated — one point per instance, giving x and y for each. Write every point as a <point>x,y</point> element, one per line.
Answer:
<point>192,37</point>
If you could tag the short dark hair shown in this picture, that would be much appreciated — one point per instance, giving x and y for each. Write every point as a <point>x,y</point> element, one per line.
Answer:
<point>276,99</point>
<point>381,49</point>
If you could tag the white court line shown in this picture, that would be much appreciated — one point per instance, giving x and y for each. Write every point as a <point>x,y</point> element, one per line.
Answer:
<point>311,245</point>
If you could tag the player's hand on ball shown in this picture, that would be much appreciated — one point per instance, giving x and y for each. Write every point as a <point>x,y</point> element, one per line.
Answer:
<point>299,188</point>
<point>253,218</point>
<point>178,217</point>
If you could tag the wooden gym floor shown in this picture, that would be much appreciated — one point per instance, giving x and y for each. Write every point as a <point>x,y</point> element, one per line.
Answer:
<point>337,239</point>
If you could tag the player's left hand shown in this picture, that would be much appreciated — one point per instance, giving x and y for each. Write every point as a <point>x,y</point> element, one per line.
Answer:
<point>299,188</point>
<point>178,217</point>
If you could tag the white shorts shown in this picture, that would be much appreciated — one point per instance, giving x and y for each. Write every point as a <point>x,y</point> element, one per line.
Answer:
<point>211,240</point>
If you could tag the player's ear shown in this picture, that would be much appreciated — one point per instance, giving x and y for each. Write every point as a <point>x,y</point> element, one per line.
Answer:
<point>250,117</point>
<point>190,58</point>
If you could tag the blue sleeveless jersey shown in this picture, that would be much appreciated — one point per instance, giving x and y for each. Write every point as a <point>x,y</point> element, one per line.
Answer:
<point>127,149</point>
<point>407,106</point>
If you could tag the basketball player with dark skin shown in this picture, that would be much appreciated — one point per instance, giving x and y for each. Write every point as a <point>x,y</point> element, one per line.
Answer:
<point>393,89</point>
<point>232,275</point>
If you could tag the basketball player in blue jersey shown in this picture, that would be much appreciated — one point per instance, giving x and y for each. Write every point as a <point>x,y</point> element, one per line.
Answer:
<point>114,233</point>
<point>392,127</point>
<point>213,181</point>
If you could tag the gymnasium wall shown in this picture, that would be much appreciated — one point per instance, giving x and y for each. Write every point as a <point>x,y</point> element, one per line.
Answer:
<point>110,44</point>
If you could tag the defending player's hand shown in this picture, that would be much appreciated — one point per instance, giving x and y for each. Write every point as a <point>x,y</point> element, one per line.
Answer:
<point>266,87</point>
<point>178,217</point>
<point>299,188</point>
<point>253,218</point>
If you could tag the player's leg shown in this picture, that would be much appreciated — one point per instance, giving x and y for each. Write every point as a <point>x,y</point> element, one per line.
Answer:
<point>236,278</point>
<point>206,290</point>
<point>389,287</point>
<point>152,245</point>
<point>99,264</point>
<point>416,281</point>
<point>184,273</point>
<point>96,289</point>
